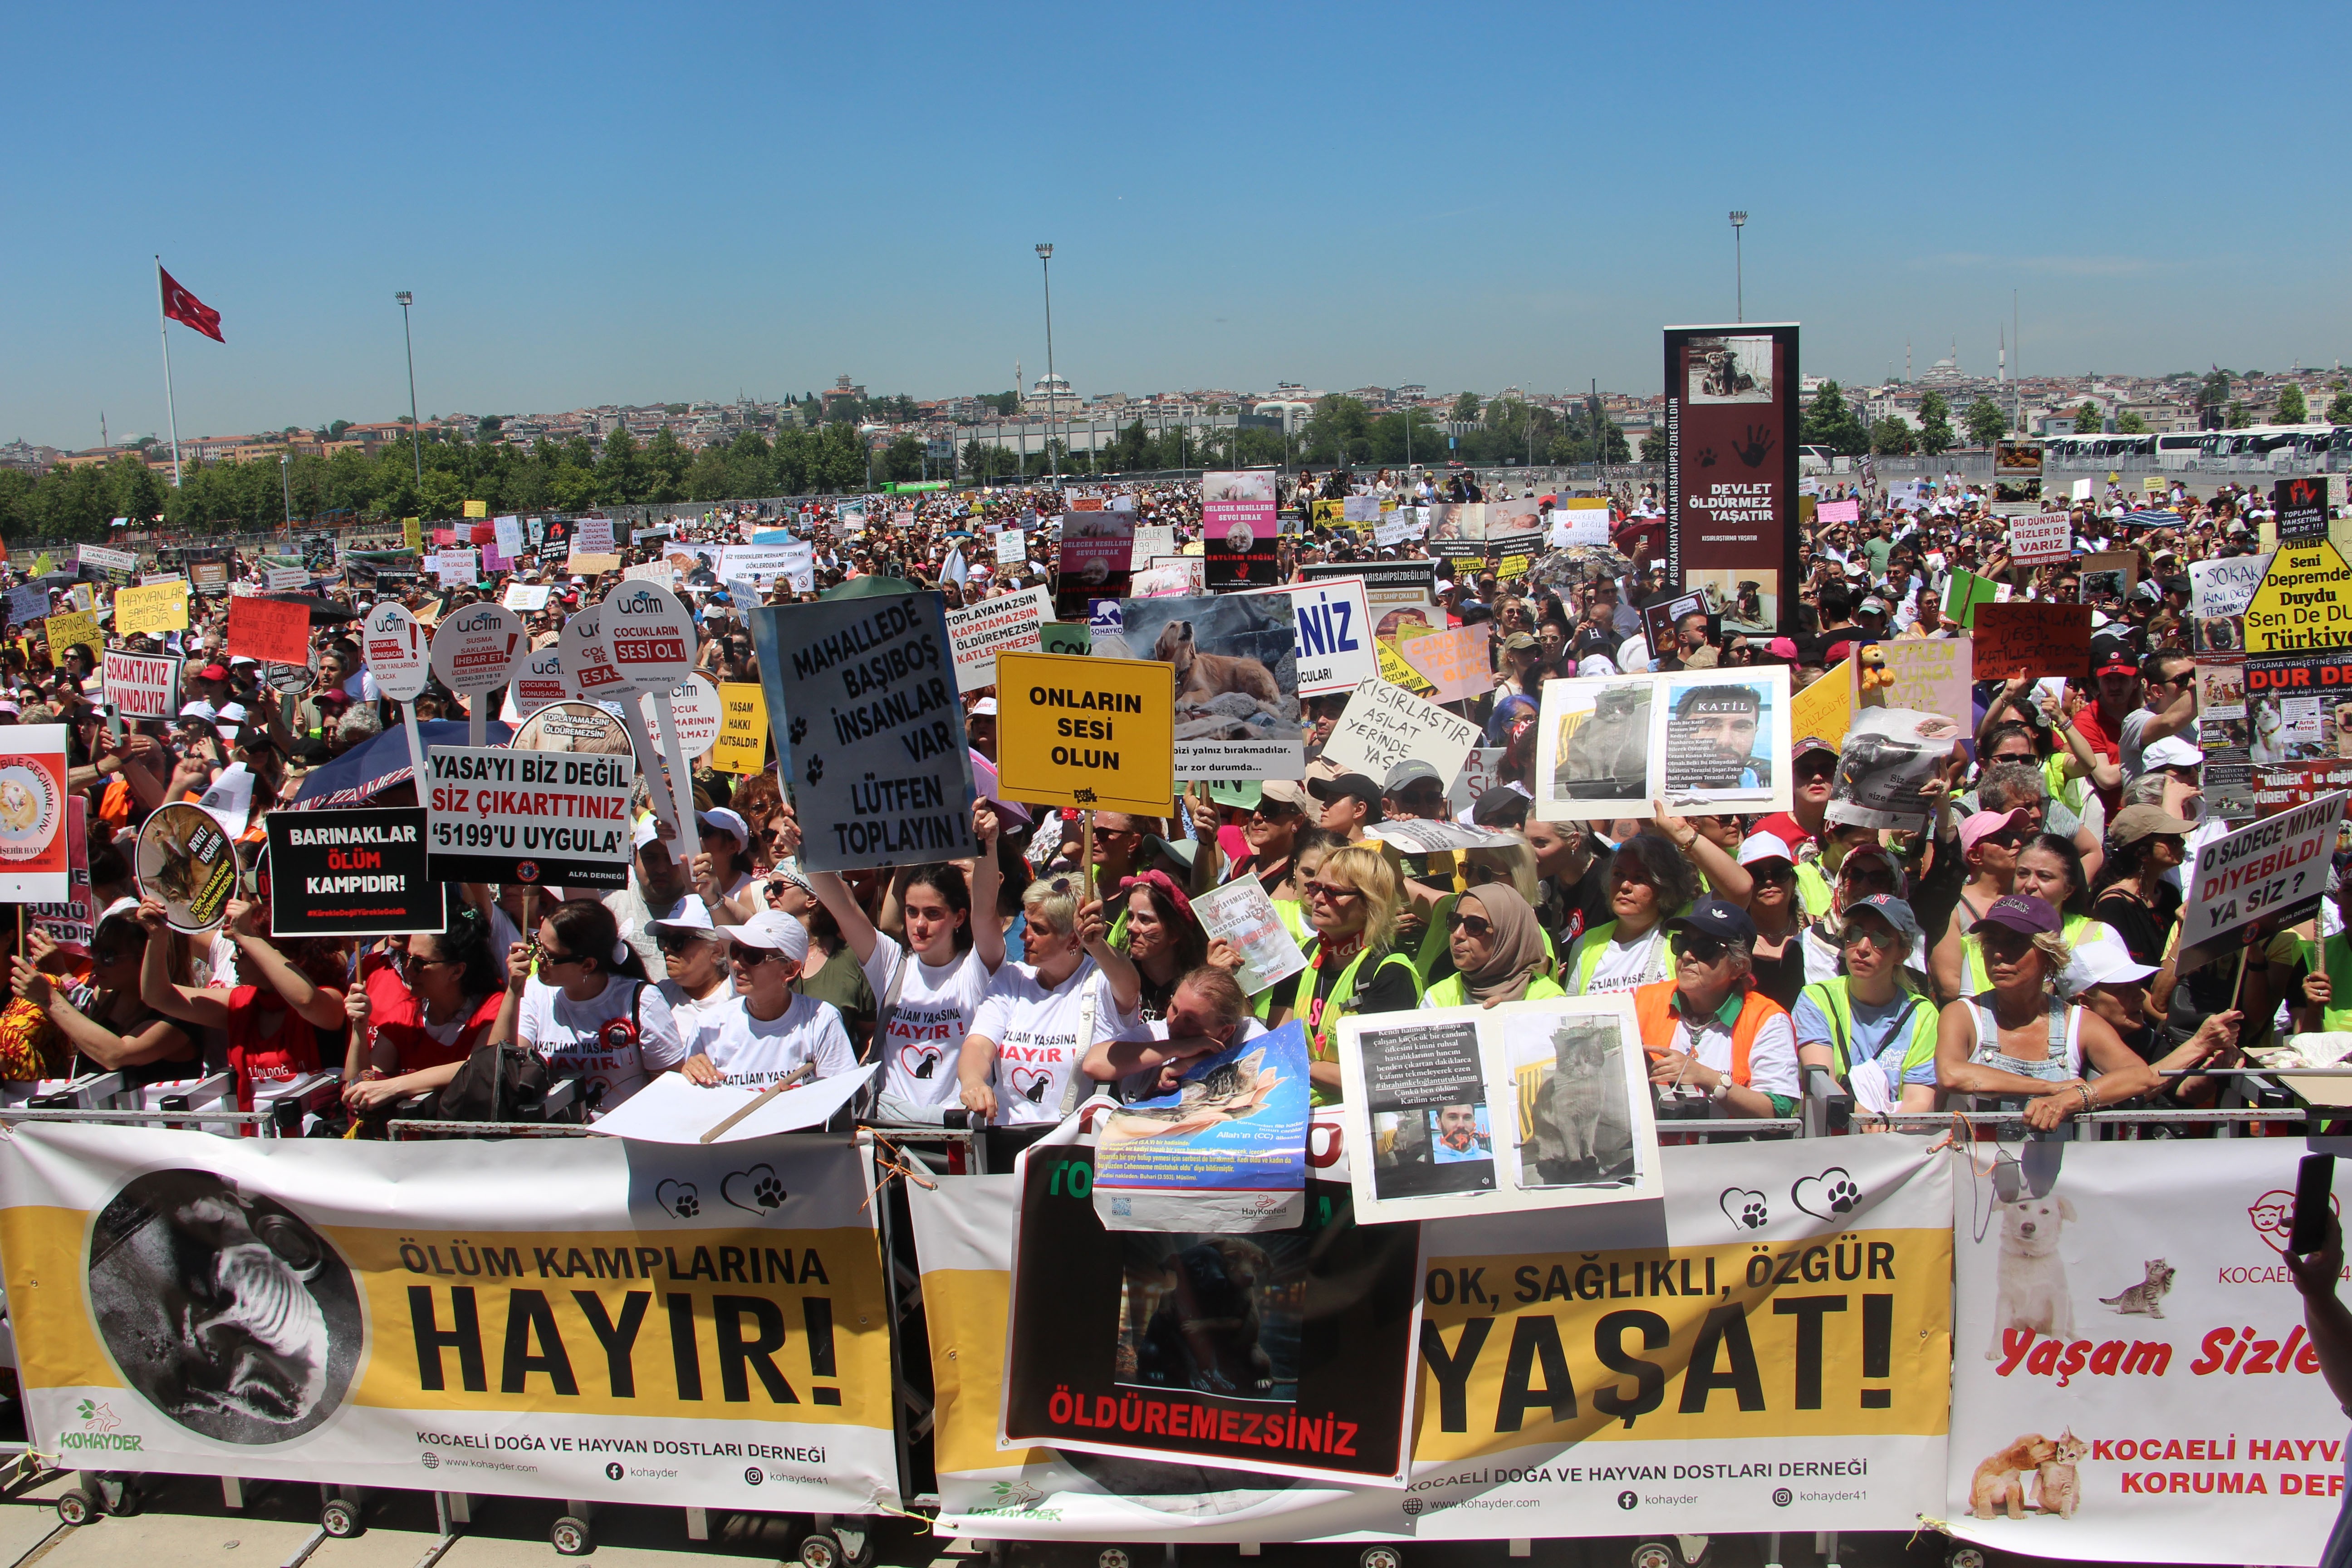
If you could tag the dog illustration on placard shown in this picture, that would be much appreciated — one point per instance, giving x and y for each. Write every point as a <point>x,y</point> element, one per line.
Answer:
<point>2032,1291</point>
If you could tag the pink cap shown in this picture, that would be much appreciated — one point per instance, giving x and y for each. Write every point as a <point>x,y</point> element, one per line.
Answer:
<point>1975,830</point>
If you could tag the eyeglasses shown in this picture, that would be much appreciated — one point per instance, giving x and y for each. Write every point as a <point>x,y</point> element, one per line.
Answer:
<point>1856,936</point>
<point>549,958</point>
<point>1471,923</point>
<point>417,962</point>
<point>1698,949</point>
<point>1331,893</point>
<point>749,957</point>
<point>1272,810</point>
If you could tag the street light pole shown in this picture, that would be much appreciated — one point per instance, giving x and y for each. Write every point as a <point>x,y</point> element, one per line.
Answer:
<point>1738,276</point>
<point>286,488</point>
<point>416,430</point>
<point>1045,264</point>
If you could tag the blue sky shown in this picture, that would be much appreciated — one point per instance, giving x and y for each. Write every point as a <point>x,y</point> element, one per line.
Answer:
<point>595,204</point>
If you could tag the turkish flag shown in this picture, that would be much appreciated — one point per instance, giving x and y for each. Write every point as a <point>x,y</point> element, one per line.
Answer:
<point>187,309</point>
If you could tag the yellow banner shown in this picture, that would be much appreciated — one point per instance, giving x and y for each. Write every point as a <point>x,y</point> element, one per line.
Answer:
<point>162,608</point>
<point>1397,672</point>
<point>1824,709</point>
<point>2304,602</point>
<point>1086,732</point>
<point>477,509</point>
<point>412,533</point>
<point>742,743</point>
<point>77,628</point>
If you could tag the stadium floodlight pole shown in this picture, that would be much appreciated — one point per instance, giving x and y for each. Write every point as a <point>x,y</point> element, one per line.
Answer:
<point>286,488</point>
<point>1738,277</point>
<point>416,430</point>
<point>1045,262</point>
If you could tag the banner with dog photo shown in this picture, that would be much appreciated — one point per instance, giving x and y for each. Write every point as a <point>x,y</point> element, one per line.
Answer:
<point>1703,741</point>
<point>1769,1343</point>
<point>2131,1379</point>
<point>1235,656</point>
<point>1479,1110</point>
<point>674,1324</point>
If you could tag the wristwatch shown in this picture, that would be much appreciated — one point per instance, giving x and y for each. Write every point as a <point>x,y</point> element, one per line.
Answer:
<point>1721,1092</point>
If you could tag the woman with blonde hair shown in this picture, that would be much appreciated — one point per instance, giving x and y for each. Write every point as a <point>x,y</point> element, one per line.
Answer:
<point>2019,1046</point>
<point>1351,963</point>
<point>1042,1017</point>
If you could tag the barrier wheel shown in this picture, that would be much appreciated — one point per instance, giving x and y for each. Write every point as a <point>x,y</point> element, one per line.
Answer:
<point>572,1537</point>
<point>1380,1557</point>
<point>1110,1557</point>
<point>79,1506</point>
<point>1655,1554</point>
<point>339,1519</point>
<point>1965,1557</point>
<point>819,1549</point>
<point>127,1500</point>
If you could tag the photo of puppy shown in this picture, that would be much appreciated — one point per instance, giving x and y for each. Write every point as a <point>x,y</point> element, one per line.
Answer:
<point>2032,1291</point>
<point>2000,1483</point>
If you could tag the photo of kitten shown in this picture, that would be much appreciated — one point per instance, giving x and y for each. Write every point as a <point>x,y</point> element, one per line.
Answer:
<point>2147,1296</point>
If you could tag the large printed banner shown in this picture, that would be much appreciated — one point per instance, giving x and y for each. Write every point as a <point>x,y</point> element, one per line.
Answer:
<point>1770,1343</point>
<point>2130,1379</point>
<point>675,1324</point>
<point>1732,433</point>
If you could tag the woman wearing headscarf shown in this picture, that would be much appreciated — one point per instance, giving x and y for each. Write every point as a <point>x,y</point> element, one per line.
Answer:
<point>1498,951</point>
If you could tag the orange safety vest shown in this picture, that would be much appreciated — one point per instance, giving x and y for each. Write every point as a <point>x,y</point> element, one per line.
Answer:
<point>1656,1018</point>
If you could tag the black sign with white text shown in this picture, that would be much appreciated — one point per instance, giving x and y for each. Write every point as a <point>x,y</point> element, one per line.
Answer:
<point>360,872</point>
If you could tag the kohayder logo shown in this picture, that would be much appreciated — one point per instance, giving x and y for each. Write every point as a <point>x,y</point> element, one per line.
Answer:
<point>99,1425</point>
<point>2273,1216</point>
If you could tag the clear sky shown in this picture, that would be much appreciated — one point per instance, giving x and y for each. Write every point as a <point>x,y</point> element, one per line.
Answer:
<point>595,203</point>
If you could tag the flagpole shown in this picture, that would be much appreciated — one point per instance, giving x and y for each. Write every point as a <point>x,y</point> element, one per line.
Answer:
<point>170,408</point>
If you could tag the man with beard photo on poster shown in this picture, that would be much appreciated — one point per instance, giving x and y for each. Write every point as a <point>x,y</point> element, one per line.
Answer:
<point>1711,740</point>
<point>223,1309</point>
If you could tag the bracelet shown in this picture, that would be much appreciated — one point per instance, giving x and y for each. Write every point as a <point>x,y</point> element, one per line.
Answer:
<point>2085,1091</point>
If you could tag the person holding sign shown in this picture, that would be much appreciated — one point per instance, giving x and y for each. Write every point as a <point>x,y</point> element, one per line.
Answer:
<point>286,997</point>
<point>1712,1037</point>
<point>1041,1018</point>
<point>103,1021</point>
<point>419,1012</point>
<point>589,1010</point>
<point>768,1033</point>
<point>1353,902</point>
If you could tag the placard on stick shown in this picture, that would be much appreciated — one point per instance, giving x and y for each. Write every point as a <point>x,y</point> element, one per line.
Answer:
<point>1086,732</point>
<point>2039,640</point>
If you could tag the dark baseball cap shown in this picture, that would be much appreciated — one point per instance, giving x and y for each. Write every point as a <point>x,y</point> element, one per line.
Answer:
<point>1501,808</point>
<point>1356,784</point>
<point>1718,918</point>
<point>2021,912</point>
<point>2115,659</point>
<point>1890,908</point>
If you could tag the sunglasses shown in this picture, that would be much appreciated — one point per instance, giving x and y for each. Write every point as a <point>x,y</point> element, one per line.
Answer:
<point>749,957</point>
<point>1331,893</point>
<point>1272,810</point>
<point>549,958</point>
<point>1471,923</point>
<point>1699,948</point>
<point>1856,936</point>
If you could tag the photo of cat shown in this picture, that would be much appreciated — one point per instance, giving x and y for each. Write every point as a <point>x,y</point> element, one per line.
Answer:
<point>1575,1128</point>
<point>1233,1093</point>
<point>2147,1296</point>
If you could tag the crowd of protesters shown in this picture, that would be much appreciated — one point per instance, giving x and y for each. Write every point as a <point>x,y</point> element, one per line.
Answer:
<point>2018,948</point>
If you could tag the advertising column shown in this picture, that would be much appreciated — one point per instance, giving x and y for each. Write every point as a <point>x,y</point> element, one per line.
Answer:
<point>1732,428</point>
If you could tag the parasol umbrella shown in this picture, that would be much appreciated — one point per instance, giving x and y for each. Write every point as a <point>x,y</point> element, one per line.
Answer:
<point>323,610</point>
<point>873,588</point>
<point>368,770</point>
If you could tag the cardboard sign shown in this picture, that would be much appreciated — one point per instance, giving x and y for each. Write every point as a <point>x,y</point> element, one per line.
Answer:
<point>526,597</point>
<point>978,632</point>
<point>508,532</point>
<point>2302,507</point>
<point>30,602</point>
<point>1065,636</point>
<point>1086,731</point>
<point>1011,547</point>
<point>2113,573</point>
<point>502,815</point>
<point>2043,536</point>
<point>1711,740</point>
<point>694,706</point>
<point>395,649</point>
<point>1931,674</point>
<point>1336,647</point>
<point>2277,868</point>
<point>1963,593</point>
<point>269,629</point>
<point>2305,601</point>
<point>142,686</point>
<point>455,567</point>
<point>1452,661</point>
<point>475,650</point>
<point>862,702</point>
<point>77,628</point>
<point>742,743</point>
<point>352,873</point>
<point>591,565</point>
<point>1847,512</point>
<point>592,536</point>
<point>1578,521</point>
<point>477,509</point>
<point>121,562</point>
<point>1384,726</point>
<point>34,850</point>
<point>1824,710</point>
<point>2038,640</point>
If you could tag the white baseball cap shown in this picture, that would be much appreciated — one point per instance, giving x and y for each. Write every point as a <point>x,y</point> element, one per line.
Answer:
<point>773,930</point>
<point>2102,960</point>
<point>2171,752</point>
<point>693,915</point>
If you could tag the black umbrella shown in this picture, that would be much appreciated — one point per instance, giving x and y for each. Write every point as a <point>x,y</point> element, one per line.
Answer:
<point>323,610</point>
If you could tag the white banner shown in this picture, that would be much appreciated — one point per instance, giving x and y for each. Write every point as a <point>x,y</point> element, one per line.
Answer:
<point>142,686</point>
<point>489,810</point>
<point>2277,868</point>
<point>592,536</point>
<point>105,559</point>
<point>1385,725</point>
<point>674,1324</point>
<point>760,564</point>
<point>2043,536</point>
<point>979,632</point>
<point>1336,648</point>
<point>456,565</point>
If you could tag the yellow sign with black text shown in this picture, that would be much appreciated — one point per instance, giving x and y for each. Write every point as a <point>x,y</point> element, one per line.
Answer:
<point>1086,732</point>
<point>742,743</point>
<point>2303,602</point>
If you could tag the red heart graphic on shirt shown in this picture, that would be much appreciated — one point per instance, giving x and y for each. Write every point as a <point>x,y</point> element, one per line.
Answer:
<point>1031,1083</point>
<point>920,1062</point>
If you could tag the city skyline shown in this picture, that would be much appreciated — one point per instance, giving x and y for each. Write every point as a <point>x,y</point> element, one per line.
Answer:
<point>590,211</point>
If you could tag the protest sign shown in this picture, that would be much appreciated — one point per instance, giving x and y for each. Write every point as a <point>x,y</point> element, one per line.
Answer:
<point>118,564</point>
<point>1483,772</point>
<point>1463,1111</point>
<point>1385,725</point>
<point>184,859</point>
<point>2032,639</point>
<point>454,566</point>
<point>1096,1320</point>
<point>1418,836</point>
<point>799,566</point>
<point>2175,1408</point>
<point>1238,528</point>
<point>1885,763</point>
<point>1703,741</point>
<point>1580,519</point>
<point>1848,511</point>
<point>1399,527</point>
<point>29,602</point>
<point>496,814</point>
<point>508,532</point>
<point>694,708</point>
<point>337,1262</point>
<point>2305,601</point>
<point>1154,540</point>
<point>352,873</point>
<point>78,628</point>
<point>2110,574</point>
<point>141,686</point>
<point>475,651</point>
<point>395,648</point>
<point>285,579</point>
<point>2275,869</point>
<point>2302,507</point>
<point>1390,587</point>
<point>2218,593</point>
<point>861,700</point>
<point>592,536</point>
<point>1933,675</point>
<point>1098,558</point>
<point>1746,1400</point>
<point>1011,547</point>
<point>1226,1151</point>
<point>1335,635</point>
<point>1065,637</point>
<point>1659,620</point>
<point>584,564</point>
<point>1963,593</point>
<point>982,630</point>
<point>1242,914</point>
<point>742,744</point>
<point>2043,536</point>
<point>71,922</point>
<point>1452,661</point>
<point>1823,710</point>
<point>1237,679</point>
<point>1396,671</point>
<point>528,598</point>
<point>539,680</point>
<point>650,572</point>
<point>1086,732</point>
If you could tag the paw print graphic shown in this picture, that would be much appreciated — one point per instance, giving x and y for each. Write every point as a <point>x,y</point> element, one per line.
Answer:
<point>1707,457</point>
<point>688,1206</point>
<point>816,770</point>
<point>1843,1194</point>
<point>799,731</point>
<point>1753,1215</point>
<point>769,1191</point>
<point>1832,1195</point>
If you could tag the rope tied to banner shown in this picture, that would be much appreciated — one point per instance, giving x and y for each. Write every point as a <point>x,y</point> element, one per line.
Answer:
<point>887,1159</point>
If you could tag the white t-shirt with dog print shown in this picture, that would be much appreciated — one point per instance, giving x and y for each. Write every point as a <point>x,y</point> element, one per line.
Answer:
<point>1037,1035</point>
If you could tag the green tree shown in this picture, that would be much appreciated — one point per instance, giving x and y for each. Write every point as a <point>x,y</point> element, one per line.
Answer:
<point>1654,447</point>
<point>2339,409</point>
<point>666,462</point>
<point>620,472</point>
<point>1985,422</point>
<point>1332,431</point>
<point>2215,389</point>
<point>1830,421</point>
<point>1465,409</point>
<point>2241,417</point>
<point>2088,420</point>
<point>1891,437</point>
<point>901,460</point>
<point>2292,409</point>
<point>2130,424</point>
<point>1934,437</point>
<point>488,427</point>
